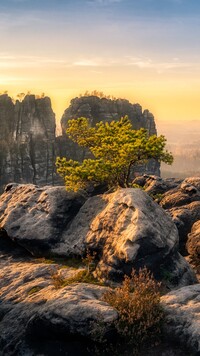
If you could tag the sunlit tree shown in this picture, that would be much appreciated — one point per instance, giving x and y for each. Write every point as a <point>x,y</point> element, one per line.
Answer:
<point>115,147</point>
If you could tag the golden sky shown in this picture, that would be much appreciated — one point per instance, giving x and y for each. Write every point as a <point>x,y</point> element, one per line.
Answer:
<point>147,52</point>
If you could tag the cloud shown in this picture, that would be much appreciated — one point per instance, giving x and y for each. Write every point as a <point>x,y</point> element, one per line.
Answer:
<point>141,63</point>
<point>86,63</point>
<point>9,61</point>
<point>161,66</point>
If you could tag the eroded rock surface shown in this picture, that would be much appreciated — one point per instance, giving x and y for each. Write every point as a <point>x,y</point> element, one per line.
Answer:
<point>27,140</point>
<point>185,193</point>
<point>181,199</point>
<point>182,309</point>
<point>183,204</point>
<point>36,217</point>
<point>103,109</point>
<point>155,185</point>
<point>33,312</point>
<point>193,243</point>
<point>128,230</point>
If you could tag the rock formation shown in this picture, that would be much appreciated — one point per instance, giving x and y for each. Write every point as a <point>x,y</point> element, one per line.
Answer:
<point>183,204</point>
<point>28,146</point>
<point>193,242</point>
<point>126,229</point>
<point>102,109</point>
<point>44,309</point>
<point>34,312</point>
<point>181,199</point>
<point>35,216</point>
<point>182,317</point>
<point>27,140</point>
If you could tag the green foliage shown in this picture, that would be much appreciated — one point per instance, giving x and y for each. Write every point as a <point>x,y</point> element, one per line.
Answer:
<point>134,185</point>
<point>34,290</point>
<point>157,197</point>
<point>64,262</point>
<point>166,275</point>
<point>99,94</point>
<point>80,276</point>
<point>137,302</point>
<point>116,148</point>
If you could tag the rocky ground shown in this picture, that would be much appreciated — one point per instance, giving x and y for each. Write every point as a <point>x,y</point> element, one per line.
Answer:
<point>46,309</point>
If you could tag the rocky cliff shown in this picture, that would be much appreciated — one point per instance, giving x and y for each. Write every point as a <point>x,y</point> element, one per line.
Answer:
<point>102,109</point>
<point>28,145</point>
<point>27,140</point>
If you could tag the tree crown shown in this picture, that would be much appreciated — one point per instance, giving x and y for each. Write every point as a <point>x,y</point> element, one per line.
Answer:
<point>116,149</point>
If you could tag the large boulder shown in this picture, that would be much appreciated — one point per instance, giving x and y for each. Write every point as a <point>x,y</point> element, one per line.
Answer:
<point>155,185</point>
<point>182,317</point>
<point>35,216</point>
<point>183,204</point>
<point>185,193</point>
<point>184,217</point>
<point>127,230</point>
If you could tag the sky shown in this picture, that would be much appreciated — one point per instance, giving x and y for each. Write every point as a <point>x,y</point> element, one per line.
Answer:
<point>146,51</point>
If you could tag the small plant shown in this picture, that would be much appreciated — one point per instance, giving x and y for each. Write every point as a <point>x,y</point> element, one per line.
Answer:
<point>134,185</point>
<point>34,290</point>
<point>81,277</point>
<point>166,275</point>
<point>157,197</point>
<point>44,260</point>
<point>58,280</point>
<point>89,261</point>
<point>138,304</point>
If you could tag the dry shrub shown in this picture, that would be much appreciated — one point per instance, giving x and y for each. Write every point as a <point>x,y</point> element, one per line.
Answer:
<point>57,280</point>
<point>137,302</point>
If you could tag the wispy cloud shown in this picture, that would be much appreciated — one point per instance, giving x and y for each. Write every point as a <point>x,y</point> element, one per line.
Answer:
<point>142,63</point>
<point>11,61</point>
<point>87,63</point>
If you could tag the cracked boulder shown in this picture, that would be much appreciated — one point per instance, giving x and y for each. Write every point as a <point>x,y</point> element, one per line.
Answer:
<point>183,204</point>
<point>155,185</point>
<point>127,230</point>
<point>35,217</point>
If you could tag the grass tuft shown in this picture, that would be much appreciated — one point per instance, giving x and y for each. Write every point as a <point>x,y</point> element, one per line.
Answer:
<point>34,290</point>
